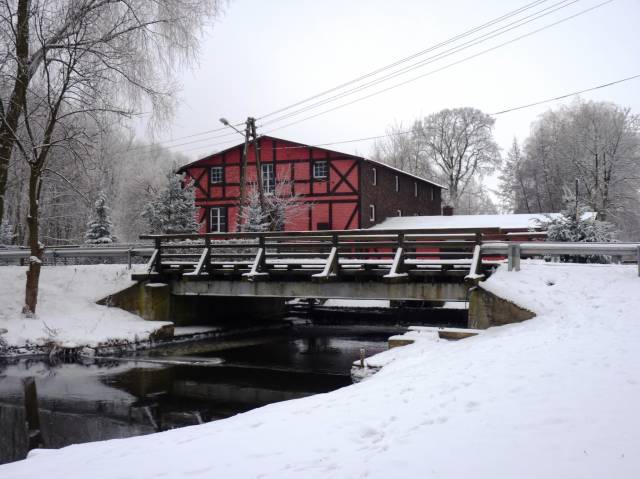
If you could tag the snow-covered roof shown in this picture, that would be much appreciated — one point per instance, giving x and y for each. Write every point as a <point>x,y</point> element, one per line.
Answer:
<point>506,222</point>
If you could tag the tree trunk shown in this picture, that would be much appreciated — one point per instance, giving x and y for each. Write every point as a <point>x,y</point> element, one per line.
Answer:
<point>14,110</point>
<point>37,249</point>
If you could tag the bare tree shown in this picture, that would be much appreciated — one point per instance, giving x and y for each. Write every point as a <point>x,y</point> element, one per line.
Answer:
<point>78,62</point>
<point>402,149</point>
<point>130,48</point>
<point>596,143</point>
<point>459,143</point>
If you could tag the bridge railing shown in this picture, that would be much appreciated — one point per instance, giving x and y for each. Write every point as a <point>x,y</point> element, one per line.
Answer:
<point>324,253</point>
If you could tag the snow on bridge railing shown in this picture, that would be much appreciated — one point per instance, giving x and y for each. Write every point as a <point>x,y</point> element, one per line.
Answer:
<point>333,249</point>
<point>514,251</point>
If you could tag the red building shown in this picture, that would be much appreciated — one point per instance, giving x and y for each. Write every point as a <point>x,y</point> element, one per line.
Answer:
<point>339,191</point>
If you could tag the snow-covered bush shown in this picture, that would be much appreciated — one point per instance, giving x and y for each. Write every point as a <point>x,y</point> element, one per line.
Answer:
<point>577,225</point>
<point>173,210</point>
<point>100,228</point>
<point>281,207</point>
<point>252,217</point>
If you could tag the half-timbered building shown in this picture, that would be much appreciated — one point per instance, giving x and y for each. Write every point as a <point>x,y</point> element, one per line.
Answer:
<point>336,190</point>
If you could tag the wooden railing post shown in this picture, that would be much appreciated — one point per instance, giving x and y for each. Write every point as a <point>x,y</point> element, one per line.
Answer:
<point>257,269</point>
<point>397,271</point>
<point>203,262</point>
<point>332,266</point>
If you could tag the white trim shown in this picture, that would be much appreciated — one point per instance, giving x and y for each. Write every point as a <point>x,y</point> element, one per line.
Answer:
<point>374,180</point>
<point>399,212</point>
<point>372,212</point>
<point>219,216</point>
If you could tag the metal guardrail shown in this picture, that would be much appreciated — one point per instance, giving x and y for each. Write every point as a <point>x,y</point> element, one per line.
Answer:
<point>53,254</point>
<point>515,251</point>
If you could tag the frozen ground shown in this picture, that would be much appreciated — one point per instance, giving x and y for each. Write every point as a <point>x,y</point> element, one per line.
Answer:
<point>66,311</point>
<point>553,397</point>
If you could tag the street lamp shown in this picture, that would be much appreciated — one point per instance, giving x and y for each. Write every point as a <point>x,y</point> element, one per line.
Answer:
<point>225,122</point>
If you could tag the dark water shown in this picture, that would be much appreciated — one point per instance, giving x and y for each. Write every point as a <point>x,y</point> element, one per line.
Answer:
<point>175,387</point>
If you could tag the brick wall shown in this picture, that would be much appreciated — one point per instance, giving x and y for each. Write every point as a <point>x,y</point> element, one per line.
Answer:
<point>387,201</point>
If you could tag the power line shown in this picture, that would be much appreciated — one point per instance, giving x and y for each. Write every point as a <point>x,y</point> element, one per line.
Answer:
<point>561,97</point>
<point>439,56</point>
<point>367,75</point>
<point>397,85</point>
<point>406,59</point>
<point>228,142</point>
<point>501,112</point>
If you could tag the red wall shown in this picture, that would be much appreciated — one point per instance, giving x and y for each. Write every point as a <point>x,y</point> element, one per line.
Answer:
<point>333,201</point>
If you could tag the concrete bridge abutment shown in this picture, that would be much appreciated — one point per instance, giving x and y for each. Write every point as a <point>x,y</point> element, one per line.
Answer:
<point>486,310</point>
<point>156,302</point>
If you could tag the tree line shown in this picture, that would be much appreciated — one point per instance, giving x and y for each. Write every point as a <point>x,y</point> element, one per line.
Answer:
<point>595,145</point>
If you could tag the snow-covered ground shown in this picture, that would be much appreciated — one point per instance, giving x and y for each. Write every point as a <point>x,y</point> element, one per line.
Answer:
<point>67,313</point>
<point>556,397</point>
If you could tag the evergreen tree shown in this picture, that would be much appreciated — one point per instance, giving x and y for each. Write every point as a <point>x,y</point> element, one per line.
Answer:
<point>6,233</point>
<point>100,228</point>
<point>173,210</point>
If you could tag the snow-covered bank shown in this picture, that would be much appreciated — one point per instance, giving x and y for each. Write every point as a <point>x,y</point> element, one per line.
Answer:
<point>555,396</point>
<point>67,314</point>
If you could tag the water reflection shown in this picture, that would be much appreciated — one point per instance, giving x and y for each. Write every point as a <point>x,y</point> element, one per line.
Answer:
<point>121,398</point>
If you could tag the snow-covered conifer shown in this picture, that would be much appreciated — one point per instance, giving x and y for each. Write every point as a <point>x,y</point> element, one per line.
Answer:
<point>173,210</point>
<point>100,228</point>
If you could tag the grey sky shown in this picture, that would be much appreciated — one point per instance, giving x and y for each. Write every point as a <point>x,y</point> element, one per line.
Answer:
<point>263,55</point>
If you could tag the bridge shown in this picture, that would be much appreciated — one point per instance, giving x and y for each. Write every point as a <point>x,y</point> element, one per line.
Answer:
<point>432,265</point>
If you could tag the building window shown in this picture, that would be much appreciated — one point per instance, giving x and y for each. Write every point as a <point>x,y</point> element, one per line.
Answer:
<point>216,174</point>
<point>268,178</point>
<point>397,184</point>
<point>399,212</point>
<point>372,212</point>
<point>320,170</point>
<point>415,189</point>
<point>374,177</point>
<point>218,219</point>
<point>432,193</point>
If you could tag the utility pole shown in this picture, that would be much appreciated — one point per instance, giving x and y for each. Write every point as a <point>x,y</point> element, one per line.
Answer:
<point>251,123</point>
<point>243,177</point>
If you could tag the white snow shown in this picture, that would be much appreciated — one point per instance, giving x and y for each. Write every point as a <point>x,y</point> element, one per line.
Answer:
<point>553,397</point>
<point>66,312</point>
<point>356,303</point>
<point>520,221</point>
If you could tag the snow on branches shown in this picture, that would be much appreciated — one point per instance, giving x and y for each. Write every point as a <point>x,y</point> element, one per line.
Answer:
<point>173,210</point>
<point>100,228</point>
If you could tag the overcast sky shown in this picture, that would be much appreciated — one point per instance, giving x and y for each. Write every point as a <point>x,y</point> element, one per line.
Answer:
<point>264,55</point>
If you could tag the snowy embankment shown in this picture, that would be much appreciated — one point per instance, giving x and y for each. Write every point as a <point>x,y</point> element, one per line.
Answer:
<point>556,396</point>
<point>67,313</point>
